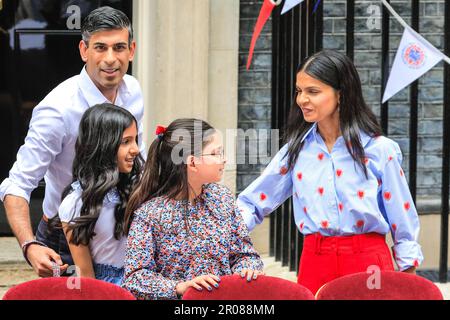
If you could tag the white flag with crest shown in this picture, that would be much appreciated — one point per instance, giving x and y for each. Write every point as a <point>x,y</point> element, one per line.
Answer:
<point>415,56</point>
<point>289,4</point>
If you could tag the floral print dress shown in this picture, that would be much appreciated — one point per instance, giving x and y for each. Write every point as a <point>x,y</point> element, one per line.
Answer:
<point>172,241</point>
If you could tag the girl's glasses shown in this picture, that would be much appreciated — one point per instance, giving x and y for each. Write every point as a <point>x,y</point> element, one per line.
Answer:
<point>221,155</point>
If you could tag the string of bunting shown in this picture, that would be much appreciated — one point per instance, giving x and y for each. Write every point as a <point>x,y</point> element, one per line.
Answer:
<point>415,56</point>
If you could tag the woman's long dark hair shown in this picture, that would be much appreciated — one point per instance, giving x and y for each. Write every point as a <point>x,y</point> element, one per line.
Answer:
<point>336,70</point>
<point>95,167</point>
<point>165,172</point>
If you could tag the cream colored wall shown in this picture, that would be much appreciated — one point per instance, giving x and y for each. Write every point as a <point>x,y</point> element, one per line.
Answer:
<point>260,237</point>
<point>223,75</point>
<point>187,63</point>
<point>144,64</point>
<point>430,239</point>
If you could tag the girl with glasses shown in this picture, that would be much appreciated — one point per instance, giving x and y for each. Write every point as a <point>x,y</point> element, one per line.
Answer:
<point>183,230</point>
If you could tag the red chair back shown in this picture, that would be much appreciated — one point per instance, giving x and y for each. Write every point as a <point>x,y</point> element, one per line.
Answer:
<point>390,285</point>
<point>67,289</point>
<point>234,287</point>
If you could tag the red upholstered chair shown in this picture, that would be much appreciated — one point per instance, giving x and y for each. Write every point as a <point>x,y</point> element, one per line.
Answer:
<point>391,286</point>
<point>61,289</point>
<point>234,287</point>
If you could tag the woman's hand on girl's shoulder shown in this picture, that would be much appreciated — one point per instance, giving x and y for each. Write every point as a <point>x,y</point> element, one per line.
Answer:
<point>208,282</point>
<point>250,274</point>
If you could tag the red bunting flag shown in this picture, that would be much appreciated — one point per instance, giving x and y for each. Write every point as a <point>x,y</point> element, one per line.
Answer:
<point>264,15</point>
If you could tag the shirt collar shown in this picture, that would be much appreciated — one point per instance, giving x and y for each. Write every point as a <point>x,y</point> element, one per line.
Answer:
<point>93,95</point>
<point>313,132</point>
<point>364,137</point>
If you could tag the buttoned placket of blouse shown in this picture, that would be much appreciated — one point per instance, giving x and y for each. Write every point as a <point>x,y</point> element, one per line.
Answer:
<point>331,196</point>
<point>191,217</point>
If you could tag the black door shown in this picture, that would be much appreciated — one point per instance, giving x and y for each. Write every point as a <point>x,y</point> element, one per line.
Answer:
<point>38,50</point>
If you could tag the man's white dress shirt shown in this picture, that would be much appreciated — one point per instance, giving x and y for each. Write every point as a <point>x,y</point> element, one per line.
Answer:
<point>49,151</point>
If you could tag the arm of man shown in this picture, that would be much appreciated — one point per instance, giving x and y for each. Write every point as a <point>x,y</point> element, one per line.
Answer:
<point>81,255</point>
<point>43,143</point>
<point>40,257</point>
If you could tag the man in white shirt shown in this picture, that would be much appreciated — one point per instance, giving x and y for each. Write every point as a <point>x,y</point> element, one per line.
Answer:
<point>107,48</point>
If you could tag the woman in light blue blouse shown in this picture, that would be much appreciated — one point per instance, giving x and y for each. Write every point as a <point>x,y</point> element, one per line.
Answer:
<point>348,187</point>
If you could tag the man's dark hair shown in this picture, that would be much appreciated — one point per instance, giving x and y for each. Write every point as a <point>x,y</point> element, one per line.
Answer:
<point>105,18</point>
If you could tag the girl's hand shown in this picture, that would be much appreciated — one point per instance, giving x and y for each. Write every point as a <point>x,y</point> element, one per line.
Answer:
<point>206,281</point>
<point>251,274</point>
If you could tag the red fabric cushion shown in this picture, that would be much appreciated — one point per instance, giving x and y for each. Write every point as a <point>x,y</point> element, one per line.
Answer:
<point>60,289</point>
<point>264,288</point>
<point>392,285</point>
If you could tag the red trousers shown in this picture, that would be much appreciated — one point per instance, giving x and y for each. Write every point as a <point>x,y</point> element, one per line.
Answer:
<point>327,258</point>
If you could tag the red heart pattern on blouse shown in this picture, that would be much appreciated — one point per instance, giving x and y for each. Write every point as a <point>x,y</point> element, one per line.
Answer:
<point>407,205</point>
<point>361,194</point>
<point>320,190</point>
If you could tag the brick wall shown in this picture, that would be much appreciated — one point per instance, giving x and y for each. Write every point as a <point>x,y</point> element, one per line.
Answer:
<point>254,106</point>
<point>368,61</point>
<point>255,92</point>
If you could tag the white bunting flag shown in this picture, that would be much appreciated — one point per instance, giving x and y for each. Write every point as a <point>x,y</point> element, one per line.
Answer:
<point>289,4</point>
<point>415,56</point>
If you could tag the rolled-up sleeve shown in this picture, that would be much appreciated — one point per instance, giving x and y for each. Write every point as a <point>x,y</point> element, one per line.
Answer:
<point>42,144</point>
<point>400,211</point>
<point>267,192</point>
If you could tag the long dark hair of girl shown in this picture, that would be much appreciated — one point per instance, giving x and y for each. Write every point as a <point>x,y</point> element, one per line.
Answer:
<point>165,172</point>
<point>95,167</point>
<point>336,70</point>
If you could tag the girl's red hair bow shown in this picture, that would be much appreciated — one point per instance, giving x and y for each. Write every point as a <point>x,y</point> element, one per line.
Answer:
<point>160,131</point>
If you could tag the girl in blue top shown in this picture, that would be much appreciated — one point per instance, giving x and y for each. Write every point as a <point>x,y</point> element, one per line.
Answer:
<point>348,187</point>
<point>106,166</point>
